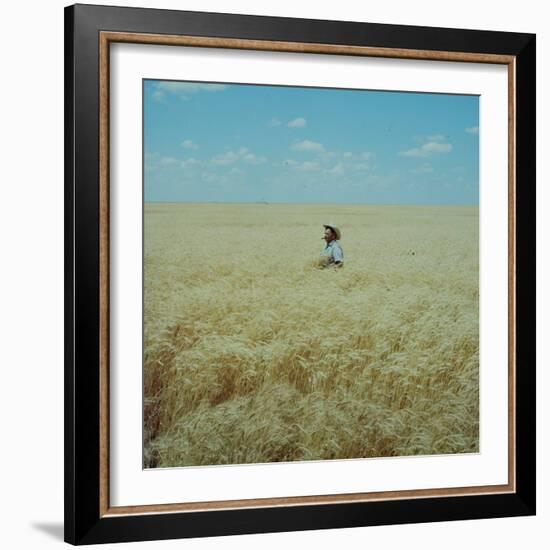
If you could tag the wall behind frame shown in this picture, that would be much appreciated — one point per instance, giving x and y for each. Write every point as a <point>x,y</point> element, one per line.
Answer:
<point>31,289</point>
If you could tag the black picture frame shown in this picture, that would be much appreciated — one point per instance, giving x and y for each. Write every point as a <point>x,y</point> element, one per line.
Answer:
<point>84,522</point>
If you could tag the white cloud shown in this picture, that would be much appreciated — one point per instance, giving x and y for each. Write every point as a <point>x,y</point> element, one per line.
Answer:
<point>184,89</point>
<point>472,130</point>
<point>357,161</point>
<point>189,87</point>
<point>335,163</point>
<point>155,162</point>
<point>168,160</point>
<point>189,162</point>
<point>189,144</point>
<point>210,177</point>
<point>242,154</point>
<point>307,145</point>
<point>297,123</point>
<point>337,170</point>
<point>425,168</point>
<point>250,158</point>
<point>274,122</point>
<point>435,147</point>
<point>159,95</point>
<point>225,158</point>
<point>307,166</point>
<point>151,161</point>
<point>328,156</point>
<point>428,149</point>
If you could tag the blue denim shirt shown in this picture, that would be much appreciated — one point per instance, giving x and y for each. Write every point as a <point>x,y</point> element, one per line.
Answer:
<point>334,251</point>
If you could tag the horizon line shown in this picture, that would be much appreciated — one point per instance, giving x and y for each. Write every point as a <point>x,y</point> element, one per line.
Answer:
<point>313,203</point>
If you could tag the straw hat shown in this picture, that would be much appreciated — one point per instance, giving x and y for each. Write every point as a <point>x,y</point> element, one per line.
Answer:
<point>335,230</point>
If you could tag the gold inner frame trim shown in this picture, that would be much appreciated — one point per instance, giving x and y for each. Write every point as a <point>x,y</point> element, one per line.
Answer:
<point>105,39</point>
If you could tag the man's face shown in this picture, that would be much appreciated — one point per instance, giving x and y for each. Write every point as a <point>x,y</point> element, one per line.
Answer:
<point>329,235</point>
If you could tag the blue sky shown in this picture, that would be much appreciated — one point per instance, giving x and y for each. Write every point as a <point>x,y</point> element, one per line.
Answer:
<point>249,143</point>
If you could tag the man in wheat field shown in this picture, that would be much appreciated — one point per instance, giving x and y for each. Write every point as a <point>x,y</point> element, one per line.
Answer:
<point>332,255</point>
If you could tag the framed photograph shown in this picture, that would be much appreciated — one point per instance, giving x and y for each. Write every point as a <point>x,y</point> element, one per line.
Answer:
<point>299,274</point>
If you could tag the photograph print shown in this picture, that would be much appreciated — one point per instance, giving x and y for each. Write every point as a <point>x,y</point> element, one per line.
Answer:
<point>310,274</point>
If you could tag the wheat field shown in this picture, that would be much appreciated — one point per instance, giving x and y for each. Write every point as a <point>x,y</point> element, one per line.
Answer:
<point>252,354</point>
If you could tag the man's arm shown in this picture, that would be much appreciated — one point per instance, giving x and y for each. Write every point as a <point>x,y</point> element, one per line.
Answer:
<point>338,256</point>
